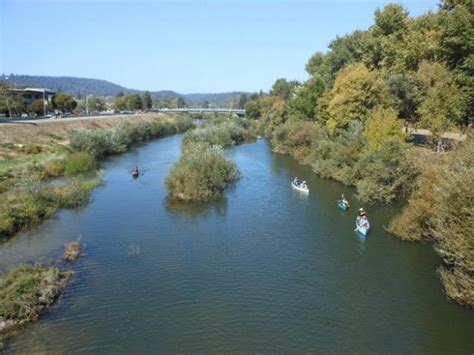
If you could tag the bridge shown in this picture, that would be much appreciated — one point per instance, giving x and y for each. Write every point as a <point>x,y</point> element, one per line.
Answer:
<point>240,112</point>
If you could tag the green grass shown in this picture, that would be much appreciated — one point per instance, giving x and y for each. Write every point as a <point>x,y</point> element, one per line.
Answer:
<point>30,205</point>
<point>27,290</point>
<point>79,162</point>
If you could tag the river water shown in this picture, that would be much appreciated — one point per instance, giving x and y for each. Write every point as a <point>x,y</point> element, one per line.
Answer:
<point>265,269</point>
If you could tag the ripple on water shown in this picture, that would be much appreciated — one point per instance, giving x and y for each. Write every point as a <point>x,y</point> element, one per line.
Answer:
<point>263,270</point>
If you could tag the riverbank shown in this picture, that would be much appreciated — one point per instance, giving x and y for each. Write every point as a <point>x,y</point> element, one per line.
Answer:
<point>32,155</point>
<point>261,254</point>
<point>438,188</point>
<point>26,291</point>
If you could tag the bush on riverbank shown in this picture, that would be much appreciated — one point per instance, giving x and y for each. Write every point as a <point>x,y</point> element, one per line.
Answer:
<point>380,173</point>
<point>26,291</point>
<point>72,251</point>
<point>53,168</point>
<point>25,207</point>
<point>225,133</point>
<point>100,143</point>
<point>442,210</point>
<point>201,174</point>
<point>79,162</point>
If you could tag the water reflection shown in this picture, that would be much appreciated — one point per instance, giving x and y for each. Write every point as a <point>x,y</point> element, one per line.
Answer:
<point>197,210</point>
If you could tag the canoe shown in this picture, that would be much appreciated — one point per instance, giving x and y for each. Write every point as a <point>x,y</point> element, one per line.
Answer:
<point>342,205</point>
<point>364,230</point>
<point>299,188</point>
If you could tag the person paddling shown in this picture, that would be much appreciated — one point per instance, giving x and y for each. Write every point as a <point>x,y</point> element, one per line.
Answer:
<point>135,171</point>
<point>344,201</point>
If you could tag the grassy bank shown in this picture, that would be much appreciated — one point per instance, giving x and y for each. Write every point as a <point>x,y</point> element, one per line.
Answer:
<point>25,207</point>
<point>27,198</point>
<point>26,291</point>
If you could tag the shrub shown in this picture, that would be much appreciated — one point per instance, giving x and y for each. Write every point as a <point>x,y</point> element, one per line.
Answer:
<point>201,174</point>
<point>335,156</point>
<point>385,174</point>
<point>442,210</point>
<point>53,168</point>
<point>225,134</point>
<point>100,143</point>
<point>79,162</point>
<point>25,207</point>
<point>72,251</point>
<point>93,141</point>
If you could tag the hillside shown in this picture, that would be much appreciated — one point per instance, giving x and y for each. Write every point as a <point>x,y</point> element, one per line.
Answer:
<point>79,87</point>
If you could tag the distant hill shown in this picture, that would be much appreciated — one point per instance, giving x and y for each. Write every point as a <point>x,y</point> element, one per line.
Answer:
<point>80,87</point>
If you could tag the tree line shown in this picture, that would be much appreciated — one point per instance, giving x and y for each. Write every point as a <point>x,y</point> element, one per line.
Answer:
<point>421,68</point>
<point>349,122</point>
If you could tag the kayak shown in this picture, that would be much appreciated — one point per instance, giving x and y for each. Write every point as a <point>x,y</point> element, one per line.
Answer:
<point>299,187</point>
<point>342,205</point>
<point>363,228</point>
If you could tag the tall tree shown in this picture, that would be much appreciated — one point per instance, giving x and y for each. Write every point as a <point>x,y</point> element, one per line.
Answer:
<point>134,102</point>
<point>283,88</point>
<point>10,104</point>
<point>442,103</point>
<point>180,103</point>
<point>243,100</point>
<point>355,92</point>
<point>64,102</point>
<point>147,101</point>
<point>390,19</point>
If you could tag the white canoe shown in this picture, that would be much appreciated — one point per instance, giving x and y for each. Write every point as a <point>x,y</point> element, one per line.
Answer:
<point>302,189</point>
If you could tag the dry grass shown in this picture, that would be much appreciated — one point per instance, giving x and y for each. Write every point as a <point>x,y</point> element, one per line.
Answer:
<point>26,291</point>
<point>72,251</point>
<point>45,131</point>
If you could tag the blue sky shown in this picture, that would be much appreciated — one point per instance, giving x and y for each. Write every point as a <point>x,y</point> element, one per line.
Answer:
<point>181,45</point>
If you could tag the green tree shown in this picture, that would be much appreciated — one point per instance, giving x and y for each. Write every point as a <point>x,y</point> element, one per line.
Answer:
<point>458,34</point>
<point>180,103</point>
<point>403,89</point>
<point>93,104</point>
<point>302,105</point>
<point>252,109</point>
<point>242,100</point>
<point>133,102</point>
<point>442,103</point>
<point>283,88</point>
<point>38,107</point>
<point>11,104</point>
<point>355,92</point>
<point>120,103</point>
<point>273,111</point>
<point>147,101</point>
<point>382,125</point>
<point>205,104</point>
<point>64,102</point>
<point>390,19</point>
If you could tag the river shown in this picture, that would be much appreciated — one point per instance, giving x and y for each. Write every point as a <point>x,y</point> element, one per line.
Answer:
<point>265,269</point>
